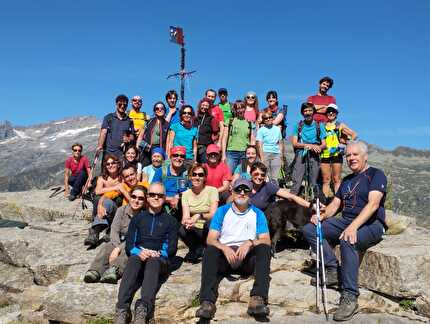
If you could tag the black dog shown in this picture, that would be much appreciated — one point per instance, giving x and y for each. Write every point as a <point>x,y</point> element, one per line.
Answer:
<point>284,215</point>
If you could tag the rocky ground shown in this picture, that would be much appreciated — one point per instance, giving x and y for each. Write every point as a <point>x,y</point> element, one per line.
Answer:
<point>42,266</point>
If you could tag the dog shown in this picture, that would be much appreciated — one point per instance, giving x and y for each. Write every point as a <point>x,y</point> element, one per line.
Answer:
<point>284,215</point>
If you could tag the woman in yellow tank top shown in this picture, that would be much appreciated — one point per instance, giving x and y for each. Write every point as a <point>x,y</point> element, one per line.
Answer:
<point>331,158</point>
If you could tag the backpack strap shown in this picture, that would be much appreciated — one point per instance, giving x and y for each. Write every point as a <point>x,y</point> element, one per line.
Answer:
<point>230,124</point>
<point>318,133</point>
<point>243,166</point>
<point>250,131</point>
<point>299,131</point>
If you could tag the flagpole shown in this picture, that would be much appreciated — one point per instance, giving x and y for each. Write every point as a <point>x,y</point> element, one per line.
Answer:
<point>177,36</point>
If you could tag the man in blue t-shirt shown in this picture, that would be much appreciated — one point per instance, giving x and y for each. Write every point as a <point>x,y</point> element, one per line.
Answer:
<point>173,114</point>
<point>238,242</point>
<point>308,142</point>
<point>360,197</point>
<point>117,128</point>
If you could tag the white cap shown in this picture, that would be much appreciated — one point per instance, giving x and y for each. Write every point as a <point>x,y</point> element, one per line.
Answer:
<point>334,106</point>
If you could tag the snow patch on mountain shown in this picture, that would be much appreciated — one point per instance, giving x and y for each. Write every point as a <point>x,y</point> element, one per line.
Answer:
<point>21,134</point>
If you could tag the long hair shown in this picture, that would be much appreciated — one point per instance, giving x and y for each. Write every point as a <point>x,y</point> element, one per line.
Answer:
<point>257,111</point>
<point>105,173</point>
<point>237,104</point>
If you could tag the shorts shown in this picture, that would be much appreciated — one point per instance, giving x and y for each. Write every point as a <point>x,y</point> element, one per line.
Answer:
<point>332,159</point>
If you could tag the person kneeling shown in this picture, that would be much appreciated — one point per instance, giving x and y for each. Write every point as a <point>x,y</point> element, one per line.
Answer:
<point>151,241</point>
<point>111,259</point>
<point>238,242</point>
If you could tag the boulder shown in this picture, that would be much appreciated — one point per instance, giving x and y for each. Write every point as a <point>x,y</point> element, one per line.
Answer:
<point>398,223</point>
<point>398,266</point>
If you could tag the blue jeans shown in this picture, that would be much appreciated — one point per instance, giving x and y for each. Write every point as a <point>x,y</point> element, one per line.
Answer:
<point>77,182</point>
<point>234,158</point>
<point>368,235</point>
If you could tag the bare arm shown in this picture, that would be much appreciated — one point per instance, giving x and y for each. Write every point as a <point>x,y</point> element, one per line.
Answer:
<point>225,186</point>
<point>212,210</point>
<point>279,118</point>
<point>169,141</point>
<point>194,149</point>
<point>224,143</point>
<point>221,133</point>
<point>260,151</point>
<point>170,114</point>
<point>348,131</point>
<point>284,193</point>
<point>332,208</point>
<point>140,137</point>
<point>102,139</point>
<point>100,189</point>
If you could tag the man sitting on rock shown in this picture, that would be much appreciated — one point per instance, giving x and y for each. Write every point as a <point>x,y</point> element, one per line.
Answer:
<point>151,241</point>
<point>238,242</point>
<point>361,199</point>
<point>111,259</point>
<point>76,171</point>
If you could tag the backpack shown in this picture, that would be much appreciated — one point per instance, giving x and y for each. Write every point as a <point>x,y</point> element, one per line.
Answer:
<point>284,121</point>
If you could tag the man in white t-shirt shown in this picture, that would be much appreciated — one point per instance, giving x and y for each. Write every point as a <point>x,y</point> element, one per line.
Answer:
<point>238,242</point>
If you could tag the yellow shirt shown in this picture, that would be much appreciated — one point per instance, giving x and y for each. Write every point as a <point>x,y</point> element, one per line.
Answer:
<point>114,194</point>
<point>138,118</point>
<point>201,203</point>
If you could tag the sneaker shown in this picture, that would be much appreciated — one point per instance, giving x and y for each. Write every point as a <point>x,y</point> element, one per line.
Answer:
<point>140,312</point>
<point>348,306</point>
<point>192,257</point>
<point>71,197</point>
<point>92,239</point>
<point>331,278</point>
<point>92,276</point>
<point>110,275</point>
<point>122,316</point>
<point>207,310</point>
<point>257,307</point>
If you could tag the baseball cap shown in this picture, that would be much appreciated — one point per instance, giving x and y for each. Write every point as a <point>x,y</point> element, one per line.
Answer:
<point>178,149</point>
<point>332,106</point>
<point>139,98</point>
<point>213,148</point>
<point>222,90</point>
<point>242,182</point>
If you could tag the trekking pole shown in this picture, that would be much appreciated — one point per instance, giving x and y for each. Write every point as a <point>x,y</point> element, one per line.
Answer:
<point>320,252</point>
<point>85,188</point>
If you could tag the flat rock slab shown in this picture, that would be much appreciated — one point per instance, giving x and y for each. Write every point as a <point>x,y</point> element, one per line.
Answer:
<point>399,265</point>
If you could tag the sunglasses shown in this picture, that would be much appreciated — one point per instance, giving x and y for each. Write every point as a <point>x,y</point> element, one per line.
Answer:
<point>160,108</point>
<point>250,97</point>
<point>122,104</point>
<point>267,118</point>
<point>257,174</point>
<point>139,101</point>
<point>77,150</point>
<point>213,155</point>
<point>110,164</point>
<point>178,156</point>
<point>331,112</point>
<point>198,174</point>
<point>155,195</point>
<point>189,113</point>
<point>139,198</point>
<point>241,189</point>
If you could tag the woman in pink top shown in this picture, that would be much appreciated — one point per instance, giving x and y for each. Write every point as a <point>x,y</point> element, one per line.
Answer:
<point>251,111</point>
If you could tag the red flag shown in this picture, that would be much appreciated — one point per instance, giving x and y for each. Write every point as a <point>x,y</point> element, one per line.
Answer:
<point>177,35</point>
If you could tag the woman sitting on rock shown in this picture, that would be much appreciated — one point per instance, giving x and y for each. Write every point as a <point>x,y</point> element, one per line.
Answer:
<point>199,204</point>
<point>111,259</point>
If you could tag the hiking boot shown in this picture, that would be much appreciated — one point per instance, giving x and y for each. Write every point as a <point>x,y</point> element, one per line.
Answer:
<point>331,278</point>
<point>122,316</point>
<point>92,276</point>
<point>207,310</point>
<point>110,275</point>
<point>71,197</point>
<point>193,256</point>
<point>348,306</point>
<point>140,312</point>
<point>92,239</point>
<point>257,307</point>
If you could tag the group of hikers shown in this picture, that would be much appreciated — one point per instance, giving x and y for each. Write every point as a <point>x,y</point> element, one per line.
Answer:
<point>207,176</point>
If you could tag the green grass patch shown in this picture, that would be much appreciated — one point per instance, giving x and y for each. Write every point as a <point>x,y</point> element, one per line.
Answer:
<point>407,304</point>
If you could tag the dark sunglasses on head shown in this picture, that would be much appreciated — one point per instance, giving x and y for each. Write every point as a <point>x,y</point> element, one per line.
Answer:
<point>140,198</point>
<point>155,195</point>
<point>239,189</point>
<point>198,174</point>
<point>178,156</point>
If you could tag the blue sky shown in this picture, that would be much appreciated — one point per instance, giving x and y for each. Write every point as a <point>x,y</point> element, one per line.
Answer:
<point>70,58</point>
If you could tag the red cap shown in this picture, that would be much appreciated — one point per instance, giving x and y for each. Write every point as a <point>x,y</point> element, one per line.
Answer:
<point>178,149</point>
<point>213,148</point>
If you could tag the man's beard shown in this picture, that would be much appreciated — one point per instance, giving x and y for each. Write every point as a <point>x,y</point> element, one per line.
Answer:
<point>241,201</point>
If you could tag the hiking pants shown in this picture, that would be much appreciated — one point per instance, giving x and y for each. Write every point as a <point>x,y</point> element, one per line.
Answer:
<point>77,182</point>
<point>106,221</point>
<point>368,235</point>
<point>299,170</point>
<point>215,267</point>
<point>101,261</point>
<point>273,162</point>
<point>194,238</point>
<point>201,153</point>
<point>145,274</point>
<point>234,158</point>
